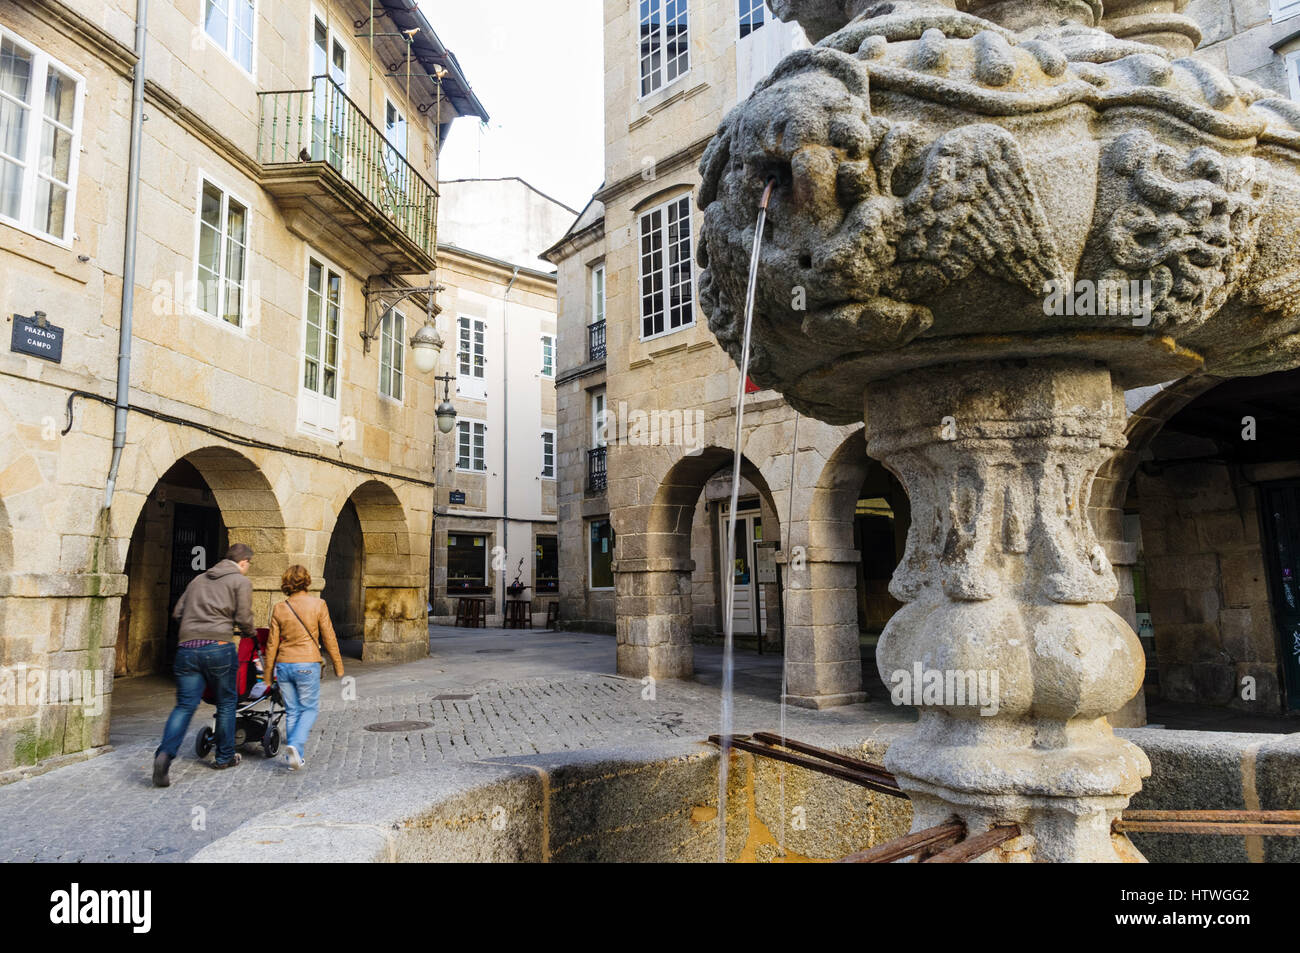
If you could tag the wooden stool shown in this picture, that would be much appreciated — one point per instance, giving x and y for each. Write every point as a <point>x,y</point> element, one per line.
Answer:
<point>519,614</point>
<point>553,615</point>
<point>470,612</point>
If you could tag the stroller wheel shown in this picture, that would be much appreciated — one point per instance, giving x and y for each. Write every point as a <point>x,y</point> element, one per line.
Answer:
<point>271,743</point>
<point>203,743</point>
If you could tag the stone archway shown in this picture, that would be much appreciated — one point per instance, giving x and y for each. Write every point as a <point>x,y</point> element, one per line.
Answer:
<point>391,620</point>
<point>203,502</point>
<point>1213,502</point>
<point>653,568</point>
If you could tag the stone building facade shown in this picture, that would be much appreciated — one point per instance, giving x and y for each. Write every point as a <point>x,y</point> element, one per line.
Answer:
<point>494,521</point>
<point>274,399</point>
<point>640,522</point>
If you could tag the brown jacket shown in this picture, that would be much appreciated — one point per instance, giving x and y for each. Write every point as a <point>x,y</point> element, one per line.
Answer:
<point>291,642</point>
<point>217,604</point>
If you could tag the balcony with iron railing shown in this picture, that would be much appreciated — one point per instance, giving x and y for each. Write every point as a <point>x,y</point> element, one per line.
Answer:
<point>596,341</point>
<point>337,176</point>
<point>597,478</point>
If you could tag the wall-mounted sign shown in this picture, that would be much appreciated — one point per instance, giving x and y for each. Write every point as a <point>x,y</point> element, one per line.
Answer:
<point>31,337</point>
<point>456,496</point>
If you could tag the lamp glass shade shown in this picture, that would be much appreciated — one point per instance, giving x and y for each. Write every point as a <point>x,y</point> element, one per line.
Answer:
<point>426,344</point>
<point>446,414</point>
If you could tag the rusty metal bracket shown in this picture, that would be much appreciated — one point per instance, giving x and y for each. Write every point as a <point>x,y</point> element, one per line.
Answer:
<point>1227,823</point>
<point>862,773</point>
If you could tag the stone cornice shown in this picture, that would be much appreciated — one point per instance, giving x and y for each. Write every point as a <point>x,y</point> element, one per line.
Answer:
<point>682,157</point>
<point>95,40</point>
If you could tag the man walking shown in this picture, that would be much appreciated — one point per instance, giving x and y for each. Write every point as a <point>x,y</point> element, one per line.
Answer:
<point>215,610</point>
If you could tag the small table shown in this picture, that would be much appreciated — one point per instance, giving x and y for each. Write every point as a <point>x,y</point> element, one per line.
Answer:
<point>519,614</point>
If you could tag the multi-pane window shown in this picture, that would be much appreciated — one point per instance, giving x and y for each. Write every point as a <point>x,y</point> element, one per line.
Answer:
<point>548,355</point>
<point>665,43</point>
<point>471,344</point>
<point>222,256</point>
<point>1284,9</point>
<point>467,563</point>
<point>546,568</point>
<point>600,551</point>
<point>40,139</point>
<point>324,301</point>
<point>1293,74</point>
<point>752,15</point>
<point>548,454</point>
<point>229,23</point>
<point>392,354</point>
<point>599,436</point>
<point>471,439</point>
<point>667,279</point>
<point>598,294</point>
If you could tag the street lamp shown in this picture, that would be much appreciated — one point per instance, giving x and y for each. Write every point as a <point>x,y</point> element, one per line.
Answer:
<point>426,344</point>
<point>446,412</point>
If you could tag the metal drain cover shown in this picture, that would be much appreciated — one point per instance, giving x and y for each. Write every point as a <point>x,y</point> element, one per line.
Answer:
<point>492,651</point>
<point>400,726</point>
<point>452,698</point>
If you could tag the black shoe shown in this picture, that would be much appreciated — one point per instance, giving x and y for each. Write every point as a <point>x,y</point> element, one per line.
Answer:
<point>222,765</point>
<point>162,763</point>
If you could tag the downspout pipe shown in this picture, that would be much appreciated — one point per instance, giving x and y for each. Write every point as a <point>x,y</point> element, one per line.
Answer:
<point>128,263</point>
<point>505,428</point>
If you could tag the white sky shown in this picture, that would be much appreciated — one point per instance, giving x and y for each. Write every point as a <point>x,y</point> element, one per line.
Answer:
<point>537,67</point>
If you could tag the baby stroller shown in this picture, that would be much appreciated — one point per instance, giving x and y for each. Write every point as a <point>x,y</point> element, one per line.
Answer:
<point>259,709</point>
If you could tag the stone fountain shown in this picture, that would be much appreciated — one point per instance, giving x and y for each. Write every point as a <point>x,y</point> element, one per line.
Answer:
<point>991,218</point>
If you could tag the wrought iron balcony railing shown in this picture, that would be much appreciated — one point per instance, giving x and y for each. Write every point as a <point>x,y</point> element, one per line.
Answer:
<point>596,341</point>
<point>596,476</point>
<point>323,125</point>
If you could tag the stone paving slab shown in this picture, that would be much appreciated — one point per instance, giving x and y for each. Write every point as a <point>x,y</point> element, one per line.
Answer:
<point>551,692</point>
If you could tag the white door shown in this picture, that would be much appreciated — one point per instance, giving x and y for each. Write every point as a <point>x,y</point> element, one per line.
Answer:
<point>750,601</point>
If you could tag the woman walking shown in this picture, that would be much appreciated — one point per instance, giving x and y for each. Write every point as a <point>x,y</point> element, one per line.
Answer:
<point>299,627</point>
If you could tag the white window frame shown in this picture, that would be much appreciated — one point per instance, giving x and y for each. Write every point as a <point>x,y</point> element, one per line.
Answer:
<point>551,434</point>
<point>470,423</point>
<point>591,552</point>
<point>227,44</point>
<point>392,343</point>
<point>403,146</point>
<point>754,5</point>
<point>1292,61</point>
<point>548,351</point>
<point>658,80</point>
<point>599,418</point>
<point>31,162</point>
<point>192,302</point>
<point>665,273</point>
<point>1283,9</point>
<point>333,404</point>
<point>471,376</point>
<point>331,38</point>
<point>599,299</point>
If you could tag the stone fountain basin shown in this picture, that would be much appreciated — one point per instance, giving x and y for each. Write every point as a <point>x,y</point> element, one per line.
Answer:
<point>658,803</point>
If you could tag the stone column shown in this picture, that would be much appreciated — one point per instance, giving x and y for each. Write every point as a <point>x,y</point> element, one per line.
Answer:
<point>1158,22</point>
<point>653,617</point>
<point>1003,579</point>
<point>823,658</point>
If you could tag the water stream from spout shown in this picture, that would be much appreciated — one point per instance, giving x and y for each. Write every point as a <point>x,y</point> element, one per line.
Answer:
<point>729,570</point>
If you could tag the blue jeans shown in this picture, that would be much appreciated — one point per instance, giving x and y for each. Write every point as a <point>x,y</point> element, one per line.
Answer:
<point>195,668</point>
<point>300,688</point>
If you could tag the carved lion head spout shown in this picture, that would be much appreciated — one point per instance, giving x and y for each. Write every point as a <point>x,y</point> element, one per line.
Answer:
<point>950,187</point>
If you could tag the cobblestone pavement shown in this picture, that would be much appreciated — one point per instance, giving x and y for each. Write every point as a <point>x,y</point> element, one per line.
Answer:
<point>529,693</point>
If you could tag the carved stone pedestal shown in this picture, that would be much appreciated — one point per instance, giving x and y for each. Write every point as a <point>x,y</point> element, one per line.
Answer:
<point>1005,641</point>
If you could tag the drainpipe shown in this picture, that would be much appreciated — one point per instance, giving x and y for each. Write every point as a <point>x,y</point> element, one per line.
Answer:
<point>505,430</point>
<point>128,264</point>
